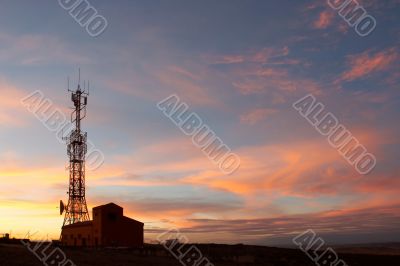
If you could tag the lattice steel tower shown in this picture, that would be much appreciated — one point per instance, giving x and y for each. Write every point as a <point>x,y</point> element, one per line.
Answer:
<point>76,209</point>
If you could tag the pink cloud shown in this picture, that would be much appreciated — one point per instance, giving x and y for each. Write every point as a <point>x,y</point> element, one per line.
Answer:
<point>184,72</point>
<point>260,80</point>
<point>324,20</point>
<point>364,64</point>
<point>229,59</point>
<point>265,71</point>
<point>11,110</point>
<point>249,87</point>
<point>264,55</point>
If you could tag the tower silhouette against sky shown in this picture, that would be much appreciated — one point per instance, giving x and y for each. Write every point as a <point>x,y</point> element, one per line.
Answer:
<point>76,210</point>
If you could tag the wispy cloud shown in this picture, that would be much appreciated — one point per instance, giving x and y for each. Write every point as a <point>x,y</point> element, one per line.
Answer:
<point>256,115</point>
<point>37,50</point>
<point>367,63</point>
<point>330,224</point>
<point>263,56</point>
<point>12,113</point>
<point>324,20</point>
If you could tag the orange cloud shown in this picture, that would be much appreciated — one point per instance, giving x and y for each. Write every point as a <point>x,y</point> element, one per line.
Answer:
<point>298,168</point>
<point>282,168</point>
<point>324,20</point>
<point>330,223</point>
<point>265,55</point>
<point>364,64</point>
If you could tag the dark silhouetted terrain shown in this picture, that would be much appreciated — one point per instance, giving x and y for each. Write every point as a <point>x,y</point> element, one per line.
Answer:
<point>225,255</point>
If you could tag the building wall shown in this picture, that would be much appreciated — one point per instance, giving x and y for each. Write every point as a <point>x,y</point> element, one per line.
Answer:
<point>108,228</point>
<point>127,233</point>
<point>78,235</point>
<point>115,229</point>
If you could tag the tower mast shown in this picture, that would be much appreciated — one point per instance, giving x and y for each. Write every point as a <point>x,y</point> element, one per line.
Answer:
<point>76,209</point>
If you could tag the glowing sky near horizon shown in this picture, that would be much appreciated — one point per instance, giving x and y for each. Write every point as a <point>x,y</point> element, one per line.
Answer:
<point>239,65</point>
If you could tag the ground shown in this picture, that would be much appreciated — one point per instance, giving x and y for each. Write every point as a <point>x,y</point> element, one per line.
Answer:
<point>219,255</point>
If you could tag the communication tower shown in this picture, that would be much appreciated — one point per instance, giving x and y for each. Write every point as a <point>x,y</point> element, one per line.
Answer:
<point>76,210</point>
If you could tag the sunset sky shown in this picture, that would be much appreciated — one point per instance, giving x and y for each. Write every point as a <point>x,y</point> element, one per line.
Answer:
<point>240,65</point>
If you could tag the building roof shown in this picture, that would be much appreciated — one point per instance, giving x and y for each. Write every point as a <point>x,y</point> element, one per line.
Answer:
<point>132,220</point>
<point>111,204</point>
<point>105,206</point>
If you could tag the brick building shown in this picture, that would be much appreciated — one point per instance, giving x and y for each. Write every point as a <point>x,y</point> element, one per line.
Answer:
<point>109,227</point>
